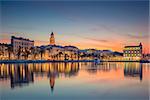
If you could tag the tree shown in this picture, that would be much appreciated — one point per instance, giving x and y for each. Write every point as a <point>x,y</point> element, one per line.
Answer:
<point>66,56</point>
<point>78,54</point>
<point>10,51</point>
<point>60,54</point>
<point>26,53</point>
<point>32,51</point>
<point>19,52</point>
<point>42,51</point>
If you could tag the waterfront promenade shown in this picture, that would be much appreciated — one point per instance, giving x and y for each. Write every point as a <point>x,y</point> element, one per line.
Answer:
<point>53,61</point>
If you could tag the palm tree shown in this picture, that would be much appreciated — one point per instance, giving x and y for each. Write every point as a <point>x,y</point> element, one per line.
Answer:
<point>42,51</point>
<point>10,51</point>
<point>78,54</point>
<point>50,50</point>
<point>60,53</point>
<point>56,56</point>
<point>32,51</point>
<point>66,56</point>
<point>27,52</point>
<point>19,52</point>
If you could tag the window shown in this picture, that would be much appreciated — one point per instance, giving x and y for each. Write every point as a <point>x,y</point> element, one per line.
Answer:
<point>135,51</point>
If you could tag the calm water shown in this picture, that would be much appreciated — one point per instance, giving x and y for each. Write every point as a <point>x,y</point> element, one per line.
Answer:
<point>79,81</point>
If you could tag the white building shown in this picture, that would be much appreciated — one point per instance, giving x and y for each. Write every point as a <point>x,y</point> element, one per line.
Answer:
<point>19,42</point>
<point>133,52</point>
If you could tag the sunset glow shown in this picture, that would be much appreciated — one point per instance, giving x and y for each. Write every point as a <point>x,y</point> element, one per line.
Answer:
<point>96,25</point>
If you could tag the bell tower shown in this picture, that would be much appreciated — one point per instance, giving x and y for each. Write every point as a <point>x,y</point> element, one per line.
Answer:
<point>52,39</point>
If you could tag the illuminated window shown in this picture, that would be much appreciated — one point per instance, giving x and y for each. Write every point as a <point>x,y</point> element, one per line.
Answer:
<point>134,51</point>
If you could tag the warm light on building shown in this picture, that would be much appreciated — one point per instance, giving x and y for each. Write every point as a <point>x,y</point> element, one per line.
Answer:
<point>52,39</point>
<point>132,53</point>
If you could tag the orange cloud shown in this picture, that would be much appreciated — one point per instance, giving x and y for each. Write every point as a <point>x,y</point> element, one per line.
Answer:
<point>4,40</point>
<point>84,43</point>
<point>39,42</point>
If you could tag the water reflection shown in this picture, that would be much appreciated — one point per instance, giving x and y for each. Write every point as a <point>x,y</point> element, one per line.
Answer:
<point>74,80</point>
<point>93,68</point>
<point>23,74</point>
<point>52,83</point>
<point>133,70</point>
<point>20,75</point>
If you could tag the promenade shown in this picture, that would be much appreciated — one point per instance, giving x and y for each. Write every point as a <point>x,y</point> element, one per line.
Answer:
<point>54,61</point>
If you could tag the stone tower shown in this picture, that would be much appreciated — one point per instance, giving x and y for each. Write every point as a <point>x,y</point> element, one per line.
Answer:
<point>52,39</point>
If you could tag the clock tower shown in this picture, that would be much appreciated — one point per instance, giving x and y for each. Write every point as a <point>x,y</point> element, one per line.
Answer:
<point>52,39</point>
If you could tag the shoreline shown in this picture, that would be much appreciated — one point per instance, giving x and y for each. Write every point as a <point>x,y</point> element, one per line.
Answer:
<point>56,61</point>
<point>41,61</point>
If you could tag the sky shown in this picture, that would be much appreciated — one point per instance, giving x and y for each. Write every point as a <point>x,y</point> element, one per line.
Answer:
<point>85,24</point>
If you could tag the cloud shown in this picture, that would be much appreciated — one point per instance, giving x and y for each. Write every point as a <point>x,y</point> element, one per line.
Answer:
<point>105,28</point>
<point>137,36</point>
<point>5,35</point>
<point>4,40</point>
<point>40,42</point>
<point>96,40</point>
<point>29,27</point>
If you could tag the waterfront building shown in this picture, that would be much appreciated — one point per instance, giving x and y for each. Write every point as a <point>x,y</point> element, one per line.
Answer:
<point>89,54</point>
<point>5,51</point>
<point>35,53</point>
<point>117,56</point>
<point>106,55</point>
<point>133,53</point>
<point>52,39</point>
<point>57,52</point>
<point>71,52</point>
<point>19,42</point>
<point>71,48</point>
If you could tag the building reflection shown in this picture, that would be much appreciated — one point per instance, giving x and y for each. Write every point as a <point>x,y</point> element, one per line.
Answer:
<point>23,74</point>
<point>19,74</point>
<point>57,70</point>
<point>52,83</point>
<point>104,66</point>
<point>133,70</point>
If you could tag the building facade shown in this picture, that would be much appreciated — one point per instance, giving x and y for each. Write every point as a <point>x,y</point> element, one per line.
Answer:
<point>19,42</point>
<point>52,39</point>
<point>4,51</point>
<point>133,53</point>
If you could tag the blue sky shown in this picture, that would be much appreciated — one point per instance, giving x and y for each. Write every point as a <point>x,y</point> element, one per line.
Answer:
<point>85,24</point>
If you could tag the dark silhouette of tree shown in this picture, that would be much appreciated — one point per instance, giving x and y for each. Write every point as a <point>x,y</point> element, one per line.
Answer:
<point>42,51</point>
<point>79,55</point>
<point>66,56</point>
<point>60,54</point>
<point>10,51</point>
<point>32,51</point>
<point>57,56</point>
<point>19,52</point>
<point>26,53</point>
